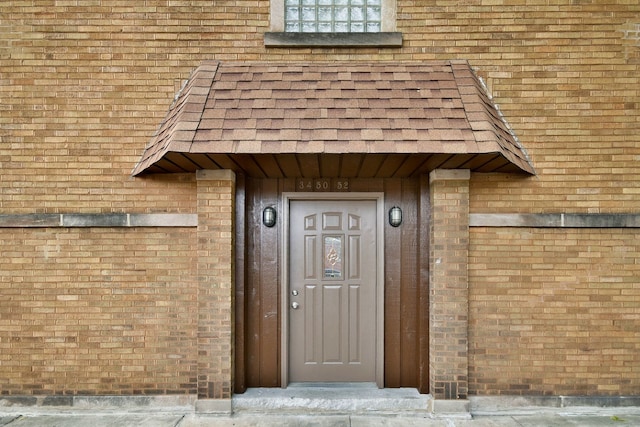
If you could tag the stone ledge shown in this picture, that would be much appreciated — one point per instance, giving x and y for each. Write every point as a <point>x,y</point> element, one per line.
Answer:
<point>94,220</point>
<point>385,39</point>
<point>555,220</point>
<point>72,220</point>
<point>30,220</point>
<point>163,220</point>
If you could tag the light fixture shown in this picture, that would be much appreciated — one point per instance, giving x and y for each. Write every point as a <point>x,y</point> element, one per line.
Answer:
<point>269,216</point>
<point>395,216</point>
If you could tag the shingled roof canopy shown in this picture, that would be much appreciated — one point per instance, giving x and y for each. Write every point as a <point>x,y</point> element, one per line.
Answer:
<point>333,120</point>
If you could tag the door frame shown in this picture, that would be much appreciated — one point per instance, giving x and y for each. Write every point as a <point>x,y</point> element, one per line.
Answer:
<point>287,197</point>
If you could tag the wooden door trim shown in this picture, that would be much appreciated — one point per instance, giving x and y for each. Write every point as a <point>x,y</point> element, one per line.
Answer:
<point>378,197</point>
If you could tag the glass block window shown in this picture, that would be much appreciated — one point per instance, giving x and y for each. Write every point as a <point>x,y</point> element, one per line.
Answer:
<point>333,16</point>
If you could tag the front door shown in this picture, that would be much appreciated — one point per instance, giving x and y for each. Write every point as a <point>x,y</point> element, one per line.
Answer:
<point>333,310</point>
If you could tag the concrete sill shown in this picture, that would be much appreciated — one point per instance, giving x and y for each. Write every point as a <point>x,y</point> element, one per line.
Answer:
<point>390,39</point>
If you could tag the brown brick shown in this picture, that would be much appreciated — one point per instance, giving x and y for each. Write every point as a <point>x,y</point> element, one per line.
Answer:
<point>559,328</point>
<point>85,84</point>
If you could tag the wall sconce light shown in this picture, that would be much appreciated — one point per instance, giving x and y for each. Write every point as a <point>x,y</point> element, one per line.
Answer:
<point>269,216</point>
<point>395,216</point>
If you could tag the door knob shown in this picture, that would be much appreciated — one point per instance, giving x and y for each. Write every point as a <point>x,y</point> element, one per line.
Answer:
<point>295,305</point>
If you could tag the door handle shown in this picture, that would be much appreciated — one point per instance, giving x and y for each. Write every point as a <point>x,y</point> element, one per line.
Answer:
<point>295,305</point>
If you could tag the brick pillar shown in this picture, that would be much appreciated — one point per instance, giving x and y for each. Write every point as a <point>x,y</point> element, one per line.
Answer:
<point>448,282</point>
<point>216,195</point>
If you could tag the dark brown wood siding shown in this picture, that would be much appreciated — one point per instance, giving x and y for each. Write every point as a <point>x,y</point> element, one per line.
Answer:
<point>258,281</point>
<point>239,313</point>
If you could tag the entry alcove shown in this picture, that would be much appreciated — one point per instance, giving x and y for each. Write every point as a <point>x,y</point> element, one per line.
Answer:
<point>258,307</point>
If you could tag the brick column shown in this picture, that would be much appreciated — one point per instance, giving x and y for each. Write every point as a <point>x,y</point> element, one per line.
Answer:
<point>216,195</point>
<point>448,282</point>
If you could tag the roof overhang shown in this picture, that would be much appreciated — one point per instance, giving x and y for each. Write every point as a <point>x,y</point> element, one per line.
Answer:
<point>334,120</point>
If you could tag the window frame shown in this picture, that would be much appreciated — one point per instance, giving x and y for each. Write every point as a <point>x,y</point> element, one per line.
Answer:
<point>388,36</point>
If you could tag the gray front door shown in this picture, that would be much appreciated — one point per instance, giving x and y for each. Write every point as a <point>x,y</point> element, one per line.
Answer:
<point>332,291</point>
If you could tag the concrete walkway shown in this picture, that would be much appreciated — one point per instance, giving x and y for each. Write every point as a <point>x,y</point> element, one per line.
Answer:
<point>606,417</point>
<point>351,406</point>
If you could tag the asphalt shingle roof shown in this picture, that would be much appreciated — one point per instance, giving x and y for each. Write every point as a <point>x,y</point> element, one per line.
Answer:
<point>257,109</point>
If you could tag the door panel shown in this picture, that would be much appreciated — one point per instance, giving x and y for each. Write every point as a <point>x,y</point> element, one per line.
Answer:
<point>332,301</point>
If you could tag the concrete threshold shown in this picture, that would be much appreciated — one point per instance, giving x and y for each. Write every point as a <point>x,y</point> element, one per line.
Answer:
<point>332,398</point>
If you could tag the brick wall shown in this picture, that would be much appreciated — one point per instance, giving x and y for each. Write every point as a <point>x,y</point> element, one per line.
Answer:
<point>216,190</point>
<point>84,84</point>
<point>449,284</point>
<point>98,311</point>
<point>554,311</point>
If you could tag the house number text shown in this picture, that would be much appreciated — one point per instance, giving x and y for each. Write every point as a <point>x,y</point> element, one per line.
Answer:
<point>304,184</point>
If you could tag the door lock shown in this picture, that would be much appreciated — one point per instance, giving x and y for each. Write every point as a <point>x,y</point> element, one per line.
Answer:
<point>294,293</point>
<point>295,305</point>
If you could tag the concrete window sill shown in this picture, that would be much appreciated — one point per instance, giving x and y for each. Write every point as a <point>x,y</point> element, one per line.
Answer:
<point>279,39</point>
